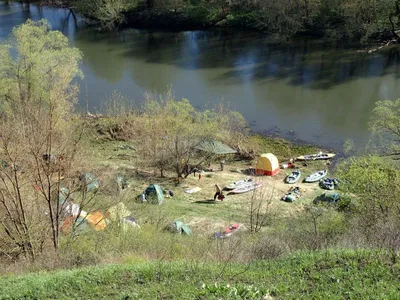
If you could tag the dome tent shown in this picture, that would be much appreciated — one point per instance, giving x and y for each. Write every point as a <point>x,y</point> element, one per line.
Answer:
<point>267,164</point>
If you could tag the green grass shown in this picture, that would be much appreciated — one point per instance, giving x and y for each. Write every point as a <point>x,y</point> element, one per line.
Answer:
<point>283,149</point>
<point>328,274</point>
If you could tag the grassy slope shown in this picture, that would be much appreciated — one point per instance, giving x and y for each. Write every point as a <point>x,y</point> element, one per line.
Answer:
<point>333,275</point>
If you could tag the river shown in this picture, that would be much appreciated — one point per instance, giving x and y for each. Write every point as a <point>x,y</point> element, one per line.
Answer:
<point>308,89</point>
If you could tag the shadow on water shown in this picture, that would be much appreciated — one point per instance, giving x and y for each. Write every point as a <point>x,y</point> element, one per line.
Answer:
<point>245,57</point>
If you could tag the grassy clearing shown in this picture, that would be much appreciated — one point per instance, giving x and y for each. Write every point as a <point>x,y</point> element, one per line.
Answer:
<point>337,275</point>
<point>198,210</point>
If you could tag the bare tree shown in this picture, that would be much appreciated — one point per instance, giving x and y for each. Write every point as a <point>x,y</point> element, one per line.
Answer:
<point>38,145</point>
<point>259,209</point>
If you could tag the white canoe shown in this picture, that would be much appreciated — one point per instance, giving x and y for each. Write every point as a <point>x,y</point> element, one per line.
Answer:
<point>293,177</point>
<point>240,183</point>
<point>317,156</point>
<point>317,176</point>
<point>248,188</point>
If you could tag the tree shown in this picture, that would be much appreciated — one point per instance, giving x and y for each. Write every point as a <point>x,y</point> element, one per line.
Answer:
<point>170,131</point>
<point>109,13</point>
<point>374,183</point>
<point>259,209</point>
<point>385,125</point>
<point>38,145</point>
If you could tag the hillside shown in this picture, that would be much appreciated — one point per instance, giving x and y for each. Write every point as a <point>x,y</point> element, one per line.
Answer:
<point>326,274</point>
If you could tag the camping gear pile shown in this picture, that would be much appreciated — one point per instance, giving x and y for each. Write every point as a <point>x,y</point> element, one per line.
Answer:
<point>329,183</point>
<point>288,165</point>
<point>292,195</point>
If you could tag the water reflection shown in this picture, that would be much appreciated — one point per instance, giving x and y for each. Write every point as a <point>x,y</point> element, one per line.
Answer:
<point>323,91</point>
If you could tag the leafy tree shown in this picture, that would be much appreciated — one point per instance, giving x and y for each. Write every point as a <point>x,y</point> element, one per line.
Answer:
<point>38,146</point>
<point>109,13</point>
<point>385,125</point>
<point>374,183</point>
<point>170,130</point>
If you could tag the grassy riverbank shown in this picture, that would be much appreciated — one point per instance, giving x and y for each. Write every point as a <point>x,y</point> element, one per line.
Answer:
<point>333,274</point>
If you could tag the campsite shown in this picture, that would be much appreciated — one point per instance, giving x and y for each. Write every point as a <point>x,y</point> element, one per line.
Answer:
<point>165,197</point>
<point>198,209</point>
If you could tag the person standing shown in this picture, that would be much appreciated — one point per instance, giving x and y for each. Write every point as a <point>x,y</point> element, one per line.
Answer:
<point>222,163</point>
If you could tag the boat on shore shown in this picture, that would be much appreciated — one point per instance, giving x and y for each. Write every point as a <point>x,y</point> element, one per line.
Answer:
<point>328,183</point>
<point>317,156</point>
<point>240,183</point>
<point>247,188</point>
<point>293,177</point>
<point>317,176</point>
<point>228,231</point>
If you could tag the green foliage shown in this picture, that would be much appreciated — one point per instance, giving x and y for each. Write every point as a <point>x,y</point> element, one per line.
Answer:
<point>374,182</point>
<point>37,97</point>
<point>226,291</point>
<point>109,13</point>
<point>326,274</point>
<point>385,125</point>
<point>43,58</point>
<point>349,19</point>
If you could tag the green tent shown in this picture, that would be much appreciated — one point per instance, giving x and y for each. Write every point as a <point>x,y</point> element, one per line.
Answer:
<point>154,194</point>
<point>90,181</point>
<point>329,197</point>
<point>215,147</point>
<point>181,227</point>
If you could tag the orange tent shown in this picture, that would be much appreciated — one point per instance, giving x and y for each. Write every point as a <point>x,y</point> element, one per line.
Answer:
<point>97,220</point>
<point>71,221</point>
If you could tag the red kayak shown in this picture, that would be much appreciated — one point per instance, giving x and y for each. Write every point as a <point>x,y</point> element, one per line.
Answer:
<point>228,231</point>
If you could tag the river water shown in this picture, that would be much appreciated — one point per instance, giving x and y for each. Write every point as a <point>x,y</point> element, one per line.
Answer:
<point>310,90</point>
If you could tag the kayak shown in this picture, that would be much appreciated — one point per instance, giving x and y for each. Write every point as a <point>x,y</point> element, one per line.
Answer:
<point>192,190</point>
<point>293,177</point>
<point>317,156</point>
<point>228,231</point>
<point>247,188</point>
<point>328,183</point>
<point>316,176</point>
<point>240,183</point>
